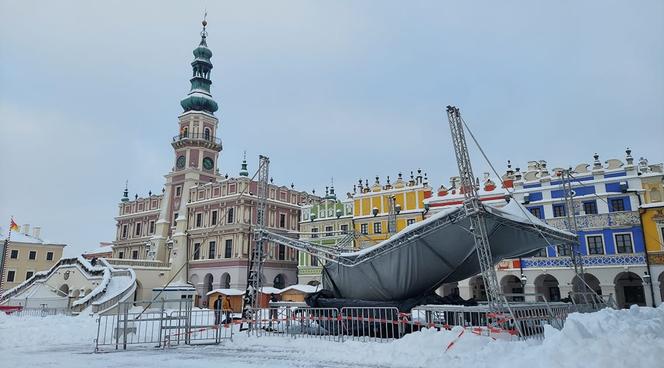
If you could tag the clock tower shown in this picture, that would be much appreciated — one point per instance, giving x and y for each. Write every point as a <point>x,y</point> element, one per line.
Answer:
<point>196,150</point>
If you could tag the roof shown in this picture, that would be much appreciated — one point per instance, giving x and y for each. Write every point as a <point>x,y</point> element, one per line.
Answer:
<point>229,292</point>
<point>270,290</point>
<point>20,237</point>
<point>307,289</point>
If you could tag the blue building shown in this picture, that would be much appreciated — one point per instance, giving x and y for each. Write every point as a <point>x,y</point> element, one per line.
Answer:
<point>607,197</point>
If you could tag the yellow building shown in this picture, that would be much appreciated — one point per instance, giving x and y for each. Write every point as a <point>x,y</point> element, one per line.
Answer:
<point>27,255</point>
<point>652,218</point>
<point>371,206</point>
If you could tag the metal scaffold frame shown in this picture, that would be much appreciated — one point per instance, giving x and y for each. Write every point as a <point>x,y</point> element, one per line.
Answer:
<point>570,213</point>
<point>254,278</point>
<point>472,207</point>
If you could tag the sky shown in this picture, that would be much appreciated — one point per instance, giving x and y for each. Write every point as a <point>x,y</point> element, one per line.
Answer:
<point>90,92</point>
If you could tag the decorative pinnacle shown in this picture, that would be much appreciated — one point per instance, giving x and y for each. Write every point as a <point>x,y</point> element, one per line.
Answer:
<point>204,23</point>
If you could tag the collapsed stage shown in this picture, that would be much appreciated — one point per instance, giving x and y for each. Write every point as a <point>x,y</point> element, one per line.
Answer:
<point>419,259</point>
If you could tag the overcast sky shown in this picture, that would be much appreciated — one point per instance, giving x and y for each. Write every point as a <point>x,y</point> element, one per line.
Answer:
<point>90,92</point>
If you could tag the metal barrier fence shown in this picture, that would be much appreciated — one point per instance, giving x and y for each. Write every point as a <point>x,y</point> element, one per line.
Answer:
<point>40,312</point>
<point>378,324</point>
<point>162,327</point>
<point>521,320</point>
<point>587,302</point>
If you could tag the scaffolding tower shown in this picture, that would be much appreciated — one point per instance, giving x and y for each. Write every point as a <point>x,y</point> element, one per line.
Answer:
<point>572,226</point>
<point>255,273</point>
<point>472,205</point>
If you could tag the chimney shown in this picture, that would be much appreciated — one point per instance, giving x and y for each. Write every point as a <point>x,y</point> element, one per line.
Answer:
<point>26,229</point>
<point>36,232</point>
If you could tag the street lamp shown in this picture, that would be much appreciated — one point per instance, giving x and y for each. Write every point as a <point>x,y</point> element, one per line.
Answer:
<point>524,280</point>
<point>646,278</point>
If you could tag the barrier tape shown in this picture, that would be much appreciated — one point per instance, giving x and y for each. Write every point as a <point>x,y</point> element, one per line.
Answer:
<point>401,319</point>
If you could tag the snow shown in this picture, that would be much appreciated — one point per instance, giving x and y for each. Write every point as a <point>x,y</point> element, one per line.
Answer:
<point>270,290</point>
<point>106,279</point>
<point>229,292</point>
<point>610,338</point>
<point>307,289</point>
<point>20,237</point>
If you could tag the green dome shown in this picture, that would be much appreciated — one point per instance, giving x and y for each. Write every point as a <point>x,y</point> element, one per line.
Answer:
<point>198,101</point>
<point>199,97</point>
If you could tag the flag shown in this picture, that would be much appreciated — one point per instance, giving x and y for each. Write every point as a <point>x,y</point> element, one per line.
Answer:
<point>13,226</point>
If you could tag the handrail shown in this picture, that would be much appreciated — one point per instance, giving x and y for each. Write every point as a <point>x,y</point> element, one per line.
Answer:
<point>42,275</point>
<point>197,137</point>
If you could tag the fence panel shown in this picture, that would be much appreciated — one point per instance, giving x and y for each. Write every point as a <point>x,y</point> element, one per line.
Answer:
<point>379,324</point>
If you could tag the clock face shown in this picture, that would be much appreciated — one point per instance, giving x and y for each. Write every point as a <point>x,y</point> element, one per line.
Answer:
<point>180,162</point>
<point>208,164</point>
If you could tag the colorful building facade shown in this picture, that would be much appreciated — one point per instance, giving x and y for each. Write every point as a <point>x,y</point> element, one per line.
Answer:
<point>607,196</point>
<point>328,222</point>
<point>200,227</point>
<point>27,254</point>
<point>371,206</point>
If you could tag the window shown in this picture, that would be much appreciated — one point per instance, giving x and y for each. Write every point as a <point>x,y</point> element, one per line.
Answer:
<point>328,230</point>
<point>282,220</point>
<point>124,230</point>
<point>213,220</point>
<point>49,256</point>
<point>595,244</point>
<point>229,216</point>
<point>178,191</point>
<point>120,255</point>
<point>212,250</point>
<point>138,228</point>
<point>11,274</point>
<point>197,250</point>
<point>617,204</point>
<point>314,261</point>
<point>29,274</point>
<point>229,248</point>
<point>541,253</point>
<point>590,208</point>
<point>207,134</point>
<point>563,250</point>
<point>377,227</point>
<point>536,211</point>
<point>344,229</point>
<point>410,222</point>
<point>134,254</point>
<point>558,210</point>
<point>14,254</point>
<point>364,229</point>
<point>151,227</point>
<point>314,232</point>
<point>624,243</point>
<point>282,252</point>
<point>32,255</point>
<point>199,219</point>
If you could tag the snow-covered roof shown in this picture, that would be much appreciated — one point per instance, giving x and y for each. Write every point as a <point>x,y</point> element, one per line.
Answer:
<point>106,249</point>
<point>307,289</point>
<point>229,292</point>
<point>20,237</point>
<point>270,290</point>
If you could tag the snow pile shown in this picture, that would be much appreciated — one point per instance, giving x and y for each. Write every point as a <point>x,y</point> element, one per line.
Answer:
<point>609,338</point>
<point>97,290</point>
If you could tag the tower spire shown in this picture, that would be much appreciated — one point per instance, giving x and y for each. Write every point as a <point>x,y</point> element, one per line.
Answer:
<point>199,97</point>
<point>243,170</point>
<point>125,194</point>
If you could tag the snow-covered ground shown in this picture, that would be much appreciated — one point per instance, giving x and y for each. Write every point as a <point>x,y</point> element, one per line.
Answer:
<point>609,338</point>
